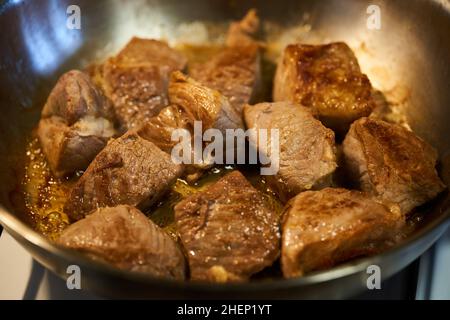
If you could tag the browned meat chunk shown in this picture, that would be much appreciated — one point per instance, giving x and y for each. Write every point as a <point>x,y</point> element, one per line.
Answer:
<point>307,157</point>
<point>235,71</point>
<point>76,123</point>
<point>327,227</point>
<point>203,104</point>
<point>241,33</point>
<point>149,51</point>
<point>159,129</point>
<point>129,170</point>
<point>228,231</point>
<point>126,238</point>
<point>391,162</point>
<point>191,102</point>
<point>136,80</point>
<point>326,78</point>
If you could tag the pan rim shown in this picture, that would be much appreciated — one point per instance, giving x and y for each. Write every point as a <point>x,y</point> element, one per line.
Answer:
<point>20,230</point>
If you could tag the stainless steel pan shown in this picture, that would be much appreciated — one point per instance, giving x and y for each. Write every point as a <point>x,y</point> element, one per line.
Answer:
<point>408,58</point>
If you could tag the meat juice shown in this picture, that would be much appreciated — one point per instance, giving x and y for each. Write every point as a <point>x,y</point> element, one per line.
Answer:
<point>44,194</point>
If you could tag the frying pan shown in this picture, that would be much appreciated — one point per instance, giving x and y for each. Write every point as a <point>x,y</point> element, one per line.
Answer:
<point>406,56</point>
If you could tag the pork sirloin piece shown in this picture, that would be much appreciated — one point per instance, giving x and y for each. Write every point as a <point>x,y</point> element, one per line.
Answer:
<point>203,104</point>
<point>391,162</point>
<point>136,80</point>
<point>129,170</point>
<point>307,156</point>
<point>242,33</point>
<point>326,78</point>
<point>229,231</point>
<point>235,71</point>
<point>158,129</point>
<point>126,238</point>
<point>191,102</point>
<point>76,123</point>
<point>323,228</point>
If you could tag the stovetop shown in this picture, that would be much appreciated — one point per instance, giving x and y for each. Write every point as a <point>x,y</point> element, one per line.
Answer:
<point>21,277</point>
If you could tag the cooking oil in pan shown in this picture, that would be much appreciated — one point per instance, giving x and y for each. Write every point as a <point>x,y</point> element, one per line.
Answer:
<point>45,194</point>
<point>163,213</point>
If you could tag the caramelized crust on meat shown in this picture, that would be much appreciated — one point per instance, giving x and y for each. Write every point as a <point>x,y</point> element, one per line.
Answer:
<point>307,157</point>
<point>76,123</point>
<point>191,102</point>
<point>148,51</point>
<point>241,33</point>
<point>138,92</point>
<point>159,129</point>
<point>129,170</point>
<point>326,78</point>
<point>203,104</point>
<point>235,71</point>
<point>389,161</point>
<point>136,80</point>
<point>126,238</point>
<point>229,231</point>
<point>327,227</point>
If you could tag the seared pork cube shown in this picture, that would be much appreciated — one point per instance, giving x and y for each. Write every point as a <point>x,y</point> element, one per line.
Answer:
<point>307,153</point>
<point>150,51</point>
<point>392,163</point>
<point>129,170</point>
<point>76,123</point>
<point>191,102</point>
<point>323,228</point>
<point>136,80</point>
<point>124,237</point>
<point>203,104</point>
<point>229,231</point>
<point>137,92</point>
<point>326,78</point>
<point>241,33</point>
<point>159,129</point>
<point>235,71</point>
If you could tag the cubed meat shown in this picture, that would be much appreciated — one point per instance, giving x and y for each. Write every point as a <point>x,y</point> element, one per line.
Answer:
<point>158,129</point>
<point>235,71</point>
<point>326,78</point>
<point>136,80</point>
<point>391,162</point>
<point>323,228</point>
<point>191,102</point>
<point>129,170</point>
<point>307,152</point>
<point>76,123</point>
<point>124,237</point>
<point>150,51</point>
<point>203,104</point>
<point>242,33</point>
<point>229,230</point>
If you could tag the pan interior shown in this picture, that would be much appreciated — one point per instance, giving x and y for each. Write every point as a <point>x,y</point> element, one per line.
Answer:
<point>405,59</point>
